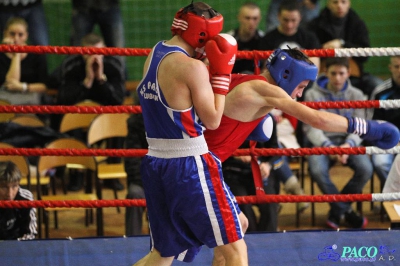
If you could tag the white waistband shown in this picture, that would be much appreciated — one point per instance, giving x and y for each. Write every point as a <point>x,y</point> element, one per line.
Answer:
<point>174,148</point>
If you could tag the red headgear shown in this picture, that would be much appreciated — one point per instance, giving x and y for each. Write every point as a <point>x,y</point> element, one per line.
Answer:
<point>190,23</point>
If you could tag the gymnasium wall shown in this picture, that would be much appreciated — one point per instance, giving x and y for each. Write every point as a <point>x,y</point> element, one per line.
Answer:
<point>148,21</point>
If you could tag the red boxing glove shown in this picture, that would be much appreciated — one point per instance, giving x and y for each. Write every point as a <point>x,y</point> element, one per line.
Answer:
<point>221,53</point>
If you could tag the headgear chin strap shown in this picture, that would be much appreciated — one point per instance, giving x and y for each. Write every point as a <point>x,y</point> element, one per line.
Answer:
<point>289,72</point>
<point>190,23</point>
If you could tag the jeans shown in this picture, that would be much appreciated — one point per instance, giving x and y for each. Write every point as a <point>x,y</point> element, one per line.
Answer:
<point>283,172</point>
<point>382,164</point>
<point>134,215</point>
<point>269,211</point>
<point>36,19</point>
<point>319,166</point>
<point>110,24</point>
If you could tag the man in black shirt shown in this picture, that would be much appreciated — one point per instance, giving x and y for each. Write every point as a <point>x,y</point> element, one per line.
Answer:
<point>289,33</point>
<point>247,35</point>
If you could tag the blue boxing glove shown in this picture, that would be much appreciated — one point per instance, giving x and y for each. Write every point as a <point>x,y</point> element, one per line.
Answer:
<point>382,134</point>
<point>263,131</point>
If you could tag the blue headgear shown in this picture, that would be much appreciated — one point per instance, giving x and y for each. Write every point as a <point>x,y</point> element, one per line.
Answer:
<point>288,72</point>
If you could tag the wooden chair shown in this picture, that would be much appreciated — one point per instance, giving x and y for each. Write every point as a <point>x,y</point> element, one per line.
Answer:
<point>4,117</point>
<point>78,121</point>
<point>84,162</point>
<point>72,121</point>
<point>103,128</point>
<point>27,120</point>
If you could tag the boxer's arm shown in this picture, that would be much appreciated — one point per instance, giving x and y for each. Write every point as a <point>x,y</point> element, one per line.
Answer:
<point>380,133</point>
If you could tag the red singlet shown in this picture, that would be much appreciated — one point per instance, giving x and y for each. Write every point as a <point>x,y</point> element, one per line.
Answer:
<point>231,133</point>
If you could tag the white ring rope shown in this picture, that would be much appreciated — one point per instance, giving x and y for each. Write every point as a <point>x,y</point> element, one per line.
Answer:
<point>376,150</point>
<point>357,52</point>
<point>385,196</point>
<point>389,104</point>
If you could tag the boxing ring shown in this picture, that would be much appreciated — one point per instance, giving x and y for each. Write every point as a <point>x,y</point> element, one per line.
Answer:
<point>379,247</point>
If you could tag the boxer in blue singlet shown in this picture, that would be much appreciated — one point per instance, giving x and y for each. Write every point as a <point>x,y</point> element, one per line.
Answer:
<point>188,203</point>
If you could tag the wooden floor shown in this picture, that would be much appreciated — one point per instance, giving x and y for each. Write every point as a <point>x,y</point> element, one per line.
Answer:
<point>72,222</point>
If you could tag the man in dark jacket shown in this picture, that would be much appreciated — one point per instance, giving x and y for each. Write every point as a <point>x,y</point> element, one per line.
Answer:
<point>339,26</point>
<point>89,77</point>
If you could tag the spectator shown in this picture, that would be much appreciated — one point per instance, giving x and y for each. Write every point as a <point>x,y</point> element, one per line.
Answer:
<point>32,12</point>
<point>336,86</point>
<point>106,13</point>
<point>86,14</point>
<point>22,75</point>
<point>392,183</point>
<point>89,77</point>
<point>239,177</point>
<point>289,33</point>
<point>388,90</point>
<point>339,26</point>
<point>136,139</point>
<point>15,223</point>
<point>247,35</point>
<point>309,10</point>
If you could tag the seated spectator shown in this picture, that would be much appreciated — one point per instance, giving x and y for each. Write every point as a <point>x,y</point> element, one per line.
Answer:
<point>388,90</point>
<point>15,223</point>
<point>339,26</point>
<point>22,75</point>
<point>247,35</point>
<point>89,77</point>
<point>392,183</point>
<point>309,10</point>
<point>289,33</point>
<point>238,176</point>
<point>136,139</point>
<point>336,86</point>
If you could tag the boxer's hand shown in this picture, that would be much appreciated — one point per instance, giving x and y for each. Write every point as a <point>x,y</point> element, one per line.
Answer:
<point>221,53</point>
<point>382,134</point>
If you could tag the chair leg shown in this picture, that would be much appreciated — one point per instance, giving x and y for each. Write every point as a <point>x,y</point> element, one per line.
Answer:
<point>55,220</point>
<point>46,223</point>
<point>116,197</point>
<point>372,191</point>
<point>39,222</point>
<point>99,216</point>
<point>312,203</point>
<point>87,218</point>
<point>91,220</point>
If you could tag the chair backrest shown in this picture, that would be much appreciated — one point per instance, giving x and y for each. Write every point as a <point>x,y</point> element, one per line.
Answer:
<point>48,162</point>
<point>106,126</point>
<point>27,120</point>
<point>21,161</point>
<point>78,121</point>
<point>4,117</point>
